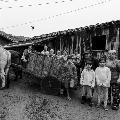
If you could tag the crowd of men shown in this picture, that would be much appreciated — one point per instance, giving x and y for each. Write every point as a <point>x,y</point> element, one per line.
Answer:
<point>94,74</point>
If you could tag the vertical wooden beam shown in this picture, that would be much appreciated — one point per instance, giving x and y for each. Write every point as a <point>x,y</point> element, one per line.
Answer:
<point>60,45</point>
<point>76,41</point>
<point>107,39</point>
<point>72,37</point>
<point>117,41</point>
<point>104,32</point>
<point>80,45</point>
<point>68,45</point>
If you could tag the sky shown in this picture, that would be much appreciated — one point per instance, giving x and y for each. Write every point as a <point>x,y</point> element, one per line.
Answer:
<point>47,16</point>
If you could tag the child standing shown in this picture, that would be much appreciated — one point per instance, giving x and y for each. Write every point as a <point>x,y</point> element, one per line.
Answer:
<point>103,77</point>
<point>88,82</point>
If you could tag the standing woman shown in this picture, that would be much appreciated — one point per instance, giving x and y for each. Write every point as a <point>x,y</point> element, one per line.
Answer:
<point>114,90</point>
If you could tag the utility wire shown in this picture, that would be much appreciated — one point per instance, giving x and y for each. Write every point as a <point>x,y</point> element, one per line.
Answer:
<point>60,14</point>
<point>39,4</point>
<point>6,1</point>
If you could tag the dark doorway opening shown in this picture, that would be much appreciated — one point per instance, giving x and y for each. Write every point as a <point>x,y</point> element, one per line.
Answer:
<point>99,42</point>
<point>38,48</point>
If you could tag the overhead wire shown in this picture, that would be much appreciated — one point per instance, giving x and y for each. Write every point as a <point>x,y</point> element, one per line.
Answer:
<point>60,14</point>
<point>39,4</point>
<point>7,0</point>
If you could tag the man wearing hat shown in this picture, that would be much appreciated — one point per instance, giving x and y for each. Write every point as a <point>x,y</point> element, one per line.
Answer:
<point>103,77</point>
<point>114,90</point>
<point>87,82</point>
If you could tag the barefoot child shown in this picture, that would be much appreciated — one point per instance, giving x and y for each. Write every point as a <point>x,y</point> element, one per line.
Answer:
<point>88,82</point>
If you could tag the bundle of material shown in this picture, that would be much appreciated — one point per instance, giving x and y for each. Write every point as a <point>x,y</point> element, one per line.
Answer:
<point>55,65</point>
<point>46,66</point>
<point>31,63</point>
<point>38,62</point>
<point>67,73</point>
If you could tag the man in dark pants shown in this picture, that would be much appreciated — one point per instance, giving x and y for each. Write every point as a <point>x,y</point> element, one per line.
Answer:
<point>95,60</point>
<point>77,62</point>
<point>16,64</point>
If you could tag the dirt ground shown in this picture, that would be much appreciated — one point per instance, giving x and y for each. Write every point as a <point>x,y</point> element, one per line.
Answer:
<point>24,102</point>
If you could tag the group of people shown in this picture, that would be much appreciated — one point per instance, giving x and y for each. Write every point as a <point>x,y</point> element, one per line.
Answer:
<point>100,75</point>
<point>59,54</point>
<point>104,80</point>
<point>62,68</point>
<point>74,57</point>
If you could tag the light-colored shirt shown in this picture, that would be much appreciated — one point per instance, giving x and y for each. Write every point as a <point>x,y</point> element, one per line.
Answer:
<point>87,78</point>
<point>65,57</point>
<point>45,52</point>
<point>59,56</point>
<point>103,76</point>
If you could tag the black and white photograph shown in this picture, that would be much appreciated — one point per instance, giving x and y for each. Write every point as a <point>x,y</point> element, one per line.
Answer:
<point>59,60</point>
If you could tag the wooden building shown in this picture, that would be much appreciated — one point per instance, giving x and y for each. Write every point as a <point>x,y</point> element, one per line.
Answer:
<point>96,38</point>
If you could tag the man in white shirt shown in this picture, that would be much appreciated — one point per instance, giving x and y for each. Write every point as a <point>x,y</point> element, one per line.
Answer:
<point>45,51</point>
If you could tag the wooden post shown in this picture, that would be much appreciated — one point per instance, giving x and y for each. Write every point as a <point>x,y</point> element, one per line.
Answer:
<point>107,37</point>
<point>60,44</point>
<point>72,37</point>
<point>117,41</point>
<point>77,43</point>
<point>90,42</point>
<point>80,45</point>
